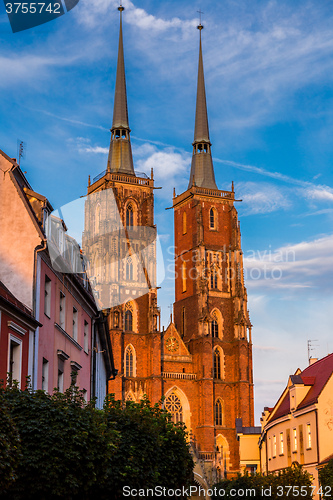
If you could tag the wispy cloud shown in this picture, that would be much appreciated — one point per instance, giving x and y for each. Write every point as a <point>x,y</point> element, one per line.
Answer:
<point>93,12</point>
<point>261,198</point>
<point>305,265</point>
<point>16,68</point>
<point>320,193</point>
<point>170,167</point>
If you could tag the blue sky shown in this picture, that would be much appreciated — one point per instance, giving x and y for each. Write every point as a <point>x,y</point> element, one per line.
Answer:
<point>269,74</point>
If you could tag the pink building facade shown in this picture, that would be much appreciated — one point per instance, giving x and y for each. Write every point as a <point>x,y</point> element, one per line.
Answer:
<point>69,341</point>
<point>17,326</point>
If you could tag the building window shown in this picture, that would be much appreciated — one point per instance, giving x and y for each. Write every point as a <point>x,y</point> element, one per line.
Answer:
<point>129,362</point>
<point>218,412</point>
<point>74,377</point>
<point>274,446</point>
<point>269,449</point>
<point>129,216</point>
<point>212,218</point>
<point>47,297</point>
<point>184,276</point>
<point>128,321</point>
<point>214,328</point>
<point>213,279</point>
<point>184,223</point>
<point>45,375</point>
<point>295,439</point>
<point>281,444</point>
<point>173,405</point>
<point>217,364</point>
<point>60,384</point>
<point>129,269</point>
<point>14,362</point>
<point>62,311</point>
<point>308,436</point>
<point>62,357</point>
<point>75,325</point>
<point>86,336</point>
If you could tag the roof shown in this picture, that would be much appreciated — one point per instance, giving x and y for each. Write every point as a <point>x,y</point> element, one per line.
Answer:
<point>6,297</point>
<point>316,376</point>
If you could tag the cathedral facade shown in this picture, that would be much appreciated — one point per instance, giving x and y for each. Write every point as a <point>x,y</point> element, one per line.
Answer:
<point>202,362</point>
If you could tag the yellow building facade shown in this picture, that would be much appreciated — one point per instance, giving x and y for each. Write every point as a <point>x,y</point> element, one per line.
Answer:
<point>300,426</point>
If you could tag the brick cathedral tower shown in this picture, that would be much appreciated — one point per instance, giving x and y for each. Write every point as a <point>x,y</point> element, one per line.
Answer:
<point>202,362</point>
<point>210,309</point>
<point>119,230</point>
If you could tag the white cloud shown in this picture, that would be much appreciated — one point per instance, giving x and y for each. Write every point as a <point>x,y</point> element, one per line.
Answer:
<point>320,193</point>
<point>261,198</point>
<point>94,12</point>
<point>306,265</point>
<point>18,68</point>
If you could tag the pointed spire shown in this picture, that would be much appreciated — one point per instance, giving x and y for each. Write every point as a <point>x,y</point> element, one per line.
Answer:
<point>202,170</point>
<point>120,153</point>
<point>120,113</point>
<point>201,131</point>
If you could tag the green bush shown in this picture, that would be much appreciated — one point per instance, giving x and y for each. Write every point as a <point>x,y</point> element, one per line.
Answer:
<point>57,446</point>
<point>9,447</point>
<point>326,476</point>
<point>287,483</point>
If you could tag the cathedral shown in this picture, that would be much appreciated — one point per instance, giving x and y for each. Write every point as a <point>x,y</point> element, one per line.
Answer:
<point>202,362</point>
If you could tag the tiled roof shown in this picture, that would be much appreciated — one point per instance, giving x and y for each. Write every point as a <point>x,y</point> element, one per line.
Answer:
<point>315,375</point>
<point>320,372</point>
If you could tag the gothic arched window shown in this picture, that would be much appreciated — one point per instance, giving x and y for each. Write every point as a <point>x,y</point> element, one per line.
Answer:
<point>173,405</point>
<point>217,364</point>
<point>218,412</point>
<point>213,279</point>
<point>214,328</point>
<point>129,361</point>
<point>128,320</point>
<point>212,218</point>
<point>129,215</point>
<point>129,269</point>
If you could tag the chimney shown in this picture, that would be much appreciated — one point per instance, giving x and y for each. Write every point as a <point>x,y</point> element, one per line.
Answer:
<point>312,361</point>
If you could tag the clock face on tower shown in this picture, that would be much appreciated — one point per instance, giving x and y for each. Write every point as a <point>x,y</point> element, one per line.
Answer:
<point>172,344</point>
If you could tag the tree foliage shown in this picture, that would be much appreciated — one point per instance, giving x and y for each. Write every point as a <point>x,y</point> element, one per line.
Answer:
<point>287,483</point>
<point>326,475</point>
<point>57,446</point>
<point>152,450</point>
<point>9,446</point>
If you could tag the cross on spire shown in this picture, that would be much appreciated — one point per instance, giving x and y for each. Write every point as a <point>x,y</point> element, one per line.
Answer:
<point>200,13</point>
